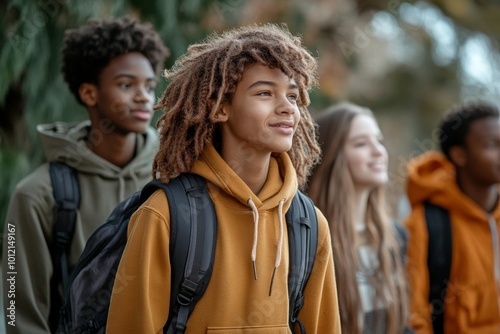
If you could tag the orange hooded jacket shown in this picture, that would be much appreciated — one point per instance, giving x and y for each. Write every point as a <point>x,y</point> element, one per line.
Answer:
<point>472,298</point>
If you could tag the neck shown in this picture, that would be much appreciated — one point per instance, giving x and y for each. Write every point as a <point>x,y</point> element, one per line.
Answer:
<point>252,169</point>
<point>360,205</point>
<point>486,196</point>
<point>113,147</point>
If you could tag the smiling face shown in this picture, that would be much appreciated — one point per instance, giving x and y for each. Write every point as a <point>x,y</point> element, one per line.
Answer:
<point>124,95</point>
<point>263,113</point>
<point>365,154</point>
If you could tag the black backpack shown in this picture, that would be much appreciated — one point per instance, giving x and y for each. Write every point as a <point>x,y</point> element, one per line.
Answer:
<point>438,261</point>
<point>193,233</point>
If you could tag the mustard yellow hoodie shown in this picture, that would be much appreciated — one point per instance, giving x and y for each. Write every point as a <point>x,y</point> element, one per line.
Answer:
<point>234,301</point>
<point>472,297</point>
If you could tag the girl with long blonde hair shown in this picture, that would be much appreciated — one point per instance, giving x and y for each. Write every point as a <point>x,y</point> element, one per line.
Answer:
<point>348,187</point>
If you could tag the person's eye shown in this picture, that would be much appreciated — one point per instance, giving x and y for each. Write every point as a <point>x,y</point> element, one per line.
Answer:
<point>150,89</point>
<point>293,97</point>
<point>125,85</point>
<point>360,144</point>
<point>265,93</point>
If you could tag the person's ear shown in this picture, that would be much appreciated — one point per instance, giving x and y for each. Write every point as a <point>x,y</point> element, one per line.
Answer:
<point>458,155</point>
<point>221,115</point>
<point>88,94</point>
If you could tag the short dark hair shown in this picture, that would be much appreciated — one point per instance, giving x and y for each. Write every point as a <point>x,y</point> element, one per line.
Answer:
<point>89,49</point>
<point>456,123</point>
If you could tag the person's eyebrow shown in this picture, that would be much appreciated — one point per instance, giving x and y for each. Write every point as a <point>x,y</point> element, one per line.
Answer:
<point>363,136</point>
<point>131,76</point>
<point>269,83</point>
<point>356,137</point>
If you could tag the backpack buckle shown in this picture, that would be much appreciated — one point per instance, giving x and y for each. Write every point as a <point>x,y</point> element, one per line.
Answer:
<point>186,292</point>
<point>61,240</point>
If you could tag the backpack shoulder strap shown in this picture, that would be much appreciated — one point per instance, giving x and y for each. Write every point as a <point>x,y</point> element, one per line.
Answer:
<point>302,225</point>
<point>193,232</point>
<point>402,238</point>
<point>438,260</point>
<point>66,192</point>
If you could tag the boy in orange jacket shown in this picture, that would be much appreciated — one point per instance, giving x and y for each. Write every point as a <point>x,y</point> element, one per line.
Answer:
<point>464,181</point>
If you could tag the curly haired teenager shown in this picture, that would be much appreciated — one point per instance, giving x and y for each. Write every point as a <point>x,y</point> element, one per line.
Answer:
<point>111,67</point>
<point>236,114</point>
<point>464,180</point>
<point>348,187</point>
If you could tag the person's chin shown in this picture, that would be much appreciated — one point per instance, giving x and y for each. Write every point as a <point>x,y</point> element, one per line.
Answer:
<point>140,129</point>
<point>282,148</point>
<point>381,181</point>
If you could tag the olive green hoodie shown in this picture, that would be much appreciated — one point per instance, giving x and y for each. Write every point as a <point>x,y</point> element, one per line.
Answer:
<point>250,227</point>
<point>30,215</point>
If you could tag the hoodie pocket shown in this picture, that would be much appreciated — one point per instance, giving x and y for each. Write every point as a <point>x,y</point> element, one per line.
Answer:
<point>250,330</point>
<point>478,307</point>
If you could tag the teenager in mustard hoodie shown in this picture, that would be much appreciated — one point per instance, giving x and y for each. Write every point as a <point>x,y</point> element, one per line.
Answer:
<point>464,180</point>
<point>236,114</point>
<point>111,67</point>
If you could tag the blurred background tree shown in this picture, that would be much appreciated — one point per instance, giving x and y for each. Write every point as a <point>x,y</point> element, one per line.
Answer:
<point>409,61</point>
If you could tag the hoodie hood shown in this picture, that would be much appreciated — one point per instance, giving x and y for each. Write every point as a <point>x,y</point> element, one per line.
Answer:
<point>432,177</point>
<point>65,142</point>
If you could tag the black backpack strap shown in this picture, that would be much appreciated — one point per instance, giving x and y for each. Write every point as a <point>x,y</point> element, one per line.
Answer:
<point>302,224</point>
<point>438,260</point>
<point>402,239</point>
<point>66,192</point>
<point>193,232</point>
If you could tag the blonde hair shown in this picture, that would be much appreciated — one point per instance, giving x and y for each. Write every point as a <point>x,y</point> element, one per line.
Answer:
<point>206,77</point>
<point>332,189</point>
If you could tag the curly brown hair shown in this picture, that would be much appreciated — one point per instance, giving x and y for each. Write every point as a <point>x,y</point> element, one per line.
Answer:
<point>206,76</point>
<point>89,49</point>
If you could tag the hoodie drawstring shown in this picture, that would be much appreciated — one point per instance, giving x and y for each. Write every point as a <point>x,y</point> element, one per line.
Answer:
<point>496,253</point>
<point>280,245</point>
<point>256,236</point>
<point>121,188</point>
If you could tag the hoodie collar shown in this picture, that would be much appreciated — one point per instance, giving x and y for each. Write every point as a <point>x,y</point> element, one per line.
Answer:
<point>65,142</point>
<point>281,181</point>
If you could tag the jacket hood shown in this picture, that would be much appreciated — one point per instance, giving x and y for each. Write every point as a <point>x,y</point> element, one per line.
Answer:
<point>432,177</point>
<point>281,183</point>
<point>65,142</point>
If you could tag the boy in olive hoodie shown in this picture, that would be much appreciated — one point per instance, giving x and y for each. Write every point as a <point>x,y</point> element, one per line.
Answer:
<point>464,180</point>
<point>111,67</point>
<point>235,114</point>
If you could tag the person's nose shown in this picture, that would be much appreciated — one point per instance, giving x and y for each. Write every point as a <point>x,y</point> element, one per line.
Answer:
<point>144,94</point>
<point>285,106</point>
<point>378,148</point>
